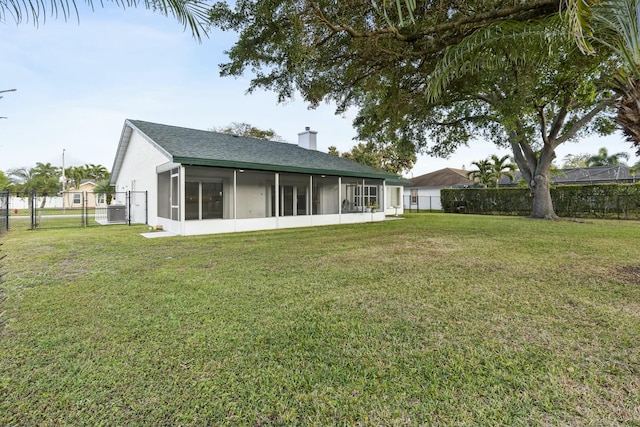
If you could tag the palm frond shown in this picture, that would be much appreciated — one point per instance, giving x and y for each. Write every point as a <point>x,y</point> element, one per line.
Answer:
<point>192,14</point>
<point>577,14</point>
<point>618,23</point>
<point>402,7</point>
<point>477,52</point>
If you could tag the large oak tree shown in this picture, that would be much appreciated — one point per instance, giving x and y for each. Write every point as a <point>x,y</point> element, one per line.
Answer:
<point>531,96</point>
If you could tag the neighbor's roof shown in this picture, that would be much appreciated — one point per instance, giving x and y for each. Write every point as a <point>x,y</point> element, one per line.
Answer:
<point>442,178</point>
<point>592,175</point>
<point>205,148</point>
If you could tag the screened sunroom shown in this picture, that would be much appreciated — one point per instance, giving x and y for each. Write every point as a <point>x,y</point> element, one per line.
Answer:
<point>202,182</point>
<point>199,199</point>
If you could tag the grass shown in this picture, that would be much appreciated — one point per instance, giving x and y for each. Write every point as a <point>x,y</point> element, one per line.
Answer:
<point>52,211</point>
<point>431,320</point>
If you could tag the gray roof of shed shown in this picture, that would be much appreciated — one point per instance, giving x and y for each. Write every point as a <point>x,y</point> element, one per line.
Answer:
<point>206,148</point>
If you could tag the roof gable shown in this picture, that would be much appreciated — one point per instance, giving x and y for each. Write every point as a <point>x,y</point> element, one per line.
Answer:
<point>206,148</point>
<point>442,178</point>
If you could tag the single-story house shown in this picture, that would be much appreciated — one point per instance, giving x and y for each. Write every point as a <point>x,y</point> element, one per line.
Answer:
<point>424,191</point>
<point>203,182</point>
<point>75,197</point>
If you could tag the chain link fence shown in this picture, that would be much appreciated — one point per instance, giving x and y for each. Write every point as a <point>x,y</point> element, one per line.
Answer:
<point>4,222</point>
<point>4,211</point>
<point>595,201</point>
<point>422,203</point>
<point>72,209</point>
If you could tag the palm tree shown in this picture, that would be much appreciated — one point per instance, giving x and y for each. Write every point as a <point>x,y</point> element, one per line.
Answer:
<point>103,187</point>
<point>74,175</point>
<point>19,179</point>
<point>603,158</point>
<point>502,166</point>
<point>97,172</point>
<point>614,25</point>
<point>4,182</point>
<point>483,175</point>
<point>192,14</point>
<point>44,179</point>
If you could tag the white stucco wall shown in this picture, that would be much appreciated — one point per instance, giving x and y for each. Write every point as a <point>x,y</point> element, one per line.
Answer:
<point>23,202</point>
<point>393,200</point>
<point>138,173</point>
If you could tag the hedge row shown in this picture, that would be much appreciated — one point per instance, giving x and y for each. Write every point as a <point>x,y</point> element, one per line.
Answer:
<point>600,201</point>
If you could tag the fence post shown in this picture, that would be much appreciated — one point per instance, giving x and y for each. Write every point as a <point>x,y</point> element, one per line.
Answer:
<point>128,199</point>
<point>85,209</point>
<point>32,209</point>
<point>3,296</point>
<point>5,210</point>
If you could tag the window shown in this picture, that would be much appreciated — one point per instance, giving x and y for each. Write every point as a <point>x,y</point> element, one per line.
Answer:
<point>414,196</point>
<point>203,200</point>
<point>366,195</point>
<point>77,198</point>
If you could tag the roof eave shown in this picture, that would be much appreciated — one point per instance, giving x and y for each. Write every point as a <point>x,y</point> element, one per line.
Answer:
<point>276,168</point>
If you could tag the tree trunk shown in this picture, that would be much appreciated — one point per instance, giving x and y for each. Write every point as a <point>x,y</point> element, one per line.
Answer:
<point>542,205</point>
<point>535,170</point>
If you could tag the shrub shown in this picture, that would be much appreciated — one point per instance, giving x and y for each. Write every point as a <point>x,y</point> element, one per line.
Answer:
<point>589,200</point>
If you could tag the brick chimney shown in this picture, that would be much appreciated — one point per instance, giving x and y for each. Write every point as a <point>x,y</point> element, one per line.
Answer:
<point>307,139</point>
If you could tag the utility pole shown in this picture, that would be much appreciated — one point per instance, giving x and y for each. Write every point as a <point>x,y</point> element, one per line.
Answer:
<point>64,181</point>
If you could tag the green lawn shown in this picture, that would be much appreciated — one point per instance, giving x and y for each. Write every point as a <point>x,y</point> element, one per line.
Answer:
<point>435,319</point>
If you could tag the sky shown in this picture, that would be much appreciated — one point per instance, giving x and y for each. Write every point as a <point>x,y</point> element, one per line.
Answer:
<point>77,82</point>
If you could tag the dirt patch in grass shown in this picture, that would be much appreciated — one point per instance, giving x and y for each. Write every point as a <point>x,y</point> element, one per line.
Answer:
<point>626,273</point>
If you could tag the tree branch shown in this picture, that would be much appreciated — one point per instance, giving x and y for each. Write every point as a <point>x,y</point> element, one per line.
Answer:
<point>560,118</point>
<point>461,120</point>
<point>543,124</point>
<point>585,119</point>
<point>477,20</point>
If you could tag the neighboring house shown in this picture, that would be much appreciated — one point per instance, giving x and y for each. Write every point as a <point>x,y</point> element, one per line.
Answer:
<point>75,197</point>
<point>203,182</point>
<point>424,191</point>
<point>594,175</point>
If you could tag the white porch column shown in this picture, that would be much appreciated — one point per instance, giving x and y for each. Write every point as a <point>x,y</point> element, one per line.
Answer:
<point>362,195</point>
<point>183,198</point>
<point>235,194</point>
<point>339,195</point>
<point>382,204</point>
<point>295,201</point>
<point>310,197</point>
<point>277,195</point>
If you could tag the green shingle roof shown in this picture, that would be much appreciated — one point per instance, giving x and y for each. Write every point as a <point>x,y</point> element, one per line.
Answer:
<point>206,148</point>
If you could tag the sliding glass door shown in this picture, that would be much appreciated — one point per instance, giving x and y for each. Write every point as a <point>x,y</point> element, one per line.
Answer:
<point>203,200</point>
